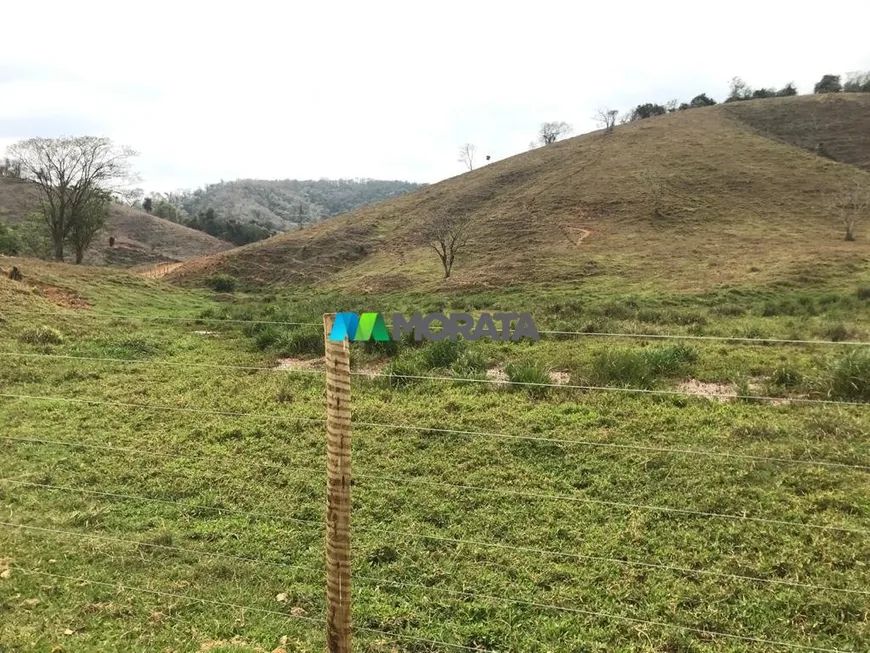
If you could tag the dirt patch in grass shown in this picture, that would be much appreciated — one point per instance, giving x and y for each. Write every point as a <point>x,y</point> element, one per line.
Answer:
<point>718,391</point>
<point>64,298</point>
<point>498,375</point>
<point>301,363</point>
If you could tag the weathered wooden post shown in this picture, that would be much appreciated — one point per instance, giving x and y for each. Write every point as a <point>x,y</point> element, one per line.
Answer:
<point>338,613</point>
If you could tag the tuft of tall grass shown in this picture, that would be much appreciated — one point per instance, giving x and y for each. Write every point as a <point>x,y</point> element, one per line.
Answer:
<point>639,368</point>
<point>301,341</point>
<point>42,335</point>
<point>850,376</point>
<point>399,372</point>
<point>534,373</point>
<point>442,353</point>
<point>470,364</point>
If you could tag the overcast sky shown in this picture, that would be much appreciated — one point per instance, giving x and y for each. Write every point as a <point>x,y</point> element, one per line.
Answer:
<point>208,90</point>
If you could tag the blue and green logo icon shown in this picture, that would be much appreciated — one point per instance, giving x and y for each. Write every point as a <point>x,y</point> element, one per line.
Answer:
<point>359,328</point>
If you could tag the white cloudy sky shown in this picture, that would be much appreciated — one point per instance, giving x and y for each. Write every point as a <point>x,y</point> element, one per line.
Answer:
<point>209,90</point>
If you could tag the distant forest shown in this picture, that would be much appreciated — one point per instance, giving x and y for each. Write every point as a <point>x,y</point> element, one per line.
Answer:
<point>248,210</point>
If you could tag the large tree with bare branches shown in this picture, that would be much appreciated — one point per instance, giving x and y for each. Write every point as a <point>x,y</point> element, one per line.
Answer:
<point>74,175</point>
<point>550,132</point>
<point>448,234</point>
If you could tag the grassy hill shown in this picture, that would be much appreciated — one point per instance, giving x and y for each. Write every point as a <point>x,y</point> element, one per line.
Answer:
<point>140,238</point>
<point>287,203</point>
<point>740,201</point>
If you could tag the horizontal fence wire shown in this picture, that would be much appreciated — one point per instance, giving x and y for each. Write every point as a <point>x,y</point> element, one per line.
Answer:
<point>465,594</point>
<point>169,502</point>
<point>449,379</point>
<point>426,429</point>
<point>471,488</point>
<point>173,595</point>
<point>460,541</point>
<point>555,332</point>
<point>614,504</point>
<point>247,608</point>
<point>468,487</point>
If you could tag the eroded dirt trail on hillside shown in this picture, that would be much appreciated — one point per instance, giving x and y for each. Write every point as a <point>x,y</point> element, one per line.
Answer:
<point>160,270</point>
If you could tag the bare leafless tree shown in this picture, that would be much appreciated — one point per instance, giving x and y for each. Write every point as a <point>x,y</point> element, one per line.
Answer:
<point>448,234</point>
<point>68,172</point>
<point>550,132</point>
<point>466,155</point>
<point>656,188</point>
<point>606,118</point>
<point>852,206</point>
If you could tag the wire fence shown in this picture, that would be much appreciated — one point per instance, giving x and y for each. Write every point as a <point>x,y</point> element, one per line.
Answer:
<point>376,478</point>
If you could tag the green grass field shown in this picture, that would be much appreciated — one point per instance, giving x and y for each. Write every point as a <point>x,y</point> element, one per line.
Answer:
<point>172,498</point>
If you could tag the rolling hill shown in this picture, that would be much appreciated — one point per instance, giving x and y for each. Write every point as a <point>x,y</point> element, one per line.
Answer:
<point>741,195</point>
<point>140,238</point>
<point>284,204</point>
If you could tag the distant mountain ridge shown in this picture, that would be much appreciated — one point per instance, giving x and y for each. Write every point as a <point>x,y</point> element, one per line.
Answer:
<point>283,204</point>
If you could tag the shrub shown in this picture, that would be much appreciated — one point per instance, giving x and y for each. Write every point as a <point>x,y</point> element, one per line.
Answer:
<point>382,347</point>
<point>442,353</point>
<point>471,363</point>
<point>621,368</point>
<point>266,337</point>
<point>10,244</point>
<point>221,283</point>
<point>398,372</point>
<point>42,336</point>
<point>837,333</point>
<point>301,341</point>
<point>850,376</point>
<point>640,367</point>
<point>786,377</point>
<point>671,360</point>
<point>863,292</point>
<point>532,373</point>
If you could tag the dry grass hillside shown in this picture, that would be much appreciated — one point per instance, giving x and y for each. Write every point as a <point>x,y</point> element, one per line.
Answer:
<point>735,205</point>
<point>140,238</point>
<point>834,125</point>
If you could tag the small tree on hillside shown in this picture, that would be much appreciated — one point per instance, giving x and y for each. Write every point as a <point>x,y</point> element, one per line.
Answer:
<point>857,83</point>
<point>147,204</point>
<point>466,155</point>
<point>550,132</point>
<point>648,110</point>
<point>91,221</point>
<point>656,189</point>
<point>702,100</point>
<point>448,234</point>
<point>738,90</point>
<point>828,84</point>
<point>606,118</point>
<point>68,173</point>
<point>851,206</point>
<point>787,91</point>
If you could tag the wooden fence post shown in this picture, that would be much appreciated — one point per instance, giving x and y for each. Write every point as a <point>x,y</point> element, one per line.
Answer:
<point>338,613</point>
